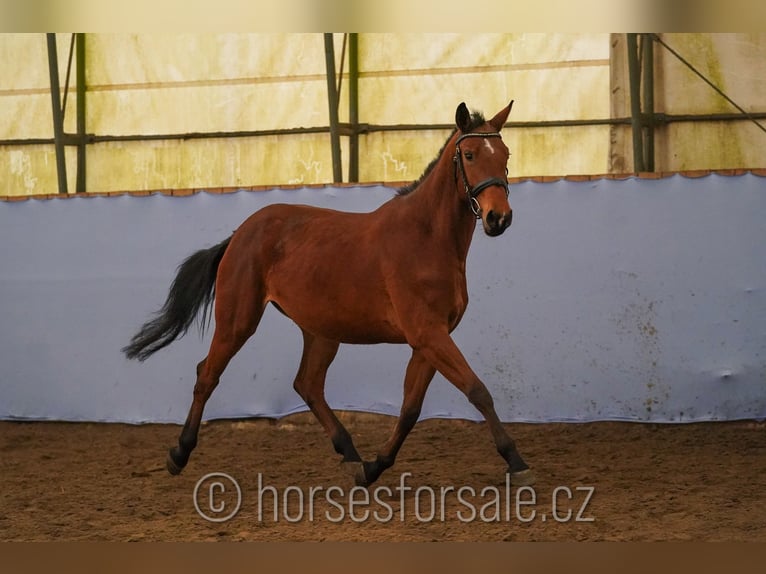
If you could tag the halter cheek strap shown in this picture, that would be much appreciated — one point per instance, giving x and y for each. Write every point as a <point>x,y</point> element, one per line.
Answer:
<point>473,192</point>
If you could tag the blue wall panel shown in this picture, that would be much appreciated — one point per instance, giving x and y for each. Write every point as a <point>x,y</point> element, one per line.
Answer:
<point>606,300</point>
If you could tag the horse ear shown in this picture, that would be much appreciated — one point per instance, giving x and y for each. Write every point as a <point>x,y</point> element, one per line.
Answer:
<point>499,120</point>
<point>463,118</point>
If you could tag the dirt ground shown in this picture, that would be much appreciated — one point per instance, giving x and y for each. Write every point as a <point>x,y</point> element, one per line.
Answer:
<point>596,481</point>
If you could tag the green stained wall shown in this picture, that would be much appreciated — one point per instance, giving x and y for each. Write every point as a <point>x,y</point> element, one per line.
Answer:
<point>149,84</point>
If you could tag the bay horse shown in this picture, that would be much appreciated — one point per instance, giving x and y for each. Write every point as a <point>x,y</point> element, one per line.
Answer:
<point>393,275</point>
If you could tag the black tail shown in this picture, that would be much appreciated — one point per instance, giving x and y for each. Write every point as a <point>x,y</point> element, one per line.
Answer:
<point>192,289</point>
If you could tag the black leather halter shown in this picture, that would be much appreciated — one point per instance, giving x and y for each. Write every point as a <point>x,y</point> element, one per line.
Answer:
<point>473,192</point>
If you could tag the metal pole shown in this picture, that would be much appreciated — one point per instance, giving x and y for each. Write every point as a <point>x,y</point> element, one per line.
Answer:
<point>81,142</point>
<point>648,98</point>
<point>58,118</point>
<point>635,102</point>
<point>332,99</point>
<point>353,107</point>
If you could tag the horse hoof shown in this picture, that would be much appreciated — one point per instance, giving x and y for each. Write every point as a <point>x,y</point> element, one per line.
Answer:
<point>173,467</point>
<point>523,477</point>
<point>356,470</point>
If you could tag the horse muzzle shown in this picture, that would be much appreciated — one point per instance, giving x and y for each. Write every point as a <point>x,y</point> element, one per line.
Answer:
<point>495,223</point>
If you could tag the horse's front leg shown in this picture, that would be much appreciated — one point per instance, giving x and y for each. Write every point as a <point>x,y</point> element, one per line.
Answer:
<point>416,380</point>
<point>318,354</point>
<point>438,348</point>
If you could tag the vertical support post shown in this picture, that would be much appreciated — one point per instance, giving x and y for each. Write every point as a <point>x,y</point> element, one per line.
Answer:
<point>58,117</point>
<point>353,106</point>
<point>332,99</point>
<point>634,74</point>
<point>81,141</point>
<point>647,59</point>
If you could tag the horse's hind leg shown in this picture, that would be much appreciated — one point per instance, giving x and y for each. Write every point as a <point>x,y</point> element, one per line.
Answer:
<point>231,331</point>
<point>416,380</point>
<point>309,383</point>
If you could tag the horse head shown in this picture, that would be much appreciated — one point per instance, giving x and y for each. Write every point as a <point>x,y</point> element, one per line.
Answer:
<point>481,160</point>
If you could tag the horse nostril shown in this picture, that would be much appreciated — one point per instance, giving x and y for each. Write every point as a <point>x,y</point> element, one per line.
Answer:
<point>495,219</point>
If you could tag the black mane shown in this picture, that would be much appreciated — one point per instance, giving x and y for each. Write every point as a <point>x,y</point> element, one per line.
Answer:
<point>477,119</point>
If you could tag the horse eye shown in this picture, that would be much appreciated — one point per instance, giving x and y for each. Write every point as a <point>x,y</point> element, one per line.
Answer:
<point>469,155</point>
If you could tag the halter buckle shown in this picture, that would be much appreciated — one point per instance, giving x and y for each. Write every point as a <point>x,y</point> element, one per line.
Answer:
<point>474,204</point>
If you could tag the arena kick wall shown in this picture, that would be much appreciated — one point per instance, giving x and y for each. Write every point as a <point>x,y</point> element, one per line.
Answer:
<point>634,299</point>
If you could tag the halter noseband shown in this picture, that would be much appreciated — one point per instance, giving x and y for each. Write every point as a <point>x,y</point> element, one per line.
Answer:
<point>473,192</point>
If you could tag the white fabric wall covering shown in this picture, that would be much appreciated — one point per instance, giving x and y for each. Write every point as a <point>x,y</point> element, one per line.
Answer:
<point>606,300</point>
